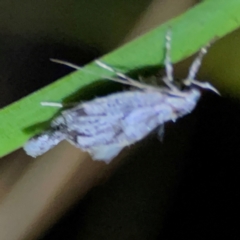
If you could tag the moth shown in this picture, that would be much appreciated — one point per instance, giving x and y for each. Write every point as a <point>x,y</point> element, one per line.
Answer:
<point>104,126</point>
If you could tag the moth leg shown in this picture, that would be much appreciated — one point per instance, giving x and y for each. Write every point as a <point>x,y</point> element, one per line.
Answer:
<point>168,79</point>
<point>52,104</point>
<point>196,65</point>
<point>58,105</point>
<point>161,130</point>
<point>194,69</point>
<point>141,79</point>
<point>167,61</point>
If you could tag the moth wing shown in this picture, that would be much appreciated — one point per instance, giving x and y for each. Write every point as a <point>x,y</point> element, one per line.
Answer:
<point>105,153</point>
<point>40,144</point>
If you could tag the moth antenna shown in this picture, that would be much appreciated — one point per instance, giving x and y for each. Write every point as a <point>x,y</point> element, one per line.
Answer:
<point>131,83</point>
<point>119,74</point>
<point>65,63</point>
<point>107,67</point>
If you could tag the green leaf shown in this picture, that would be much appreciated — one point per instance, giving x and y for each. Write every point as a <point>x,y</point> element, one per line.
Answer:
<point>195,28</point>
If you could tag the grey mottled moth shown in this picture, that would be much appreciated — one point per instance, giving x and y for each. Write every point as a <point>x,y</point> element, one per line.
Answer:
<point>104,126</point>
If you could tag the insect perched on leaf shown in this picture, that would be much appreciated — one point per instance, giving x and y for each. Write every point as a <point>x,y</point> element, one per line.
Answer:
<point>104,126</point>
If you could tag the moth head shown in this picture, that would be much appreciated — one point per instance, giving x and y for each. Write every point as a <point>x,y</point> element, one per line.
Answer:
<point>204,85</point>
<point>184,103</point>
